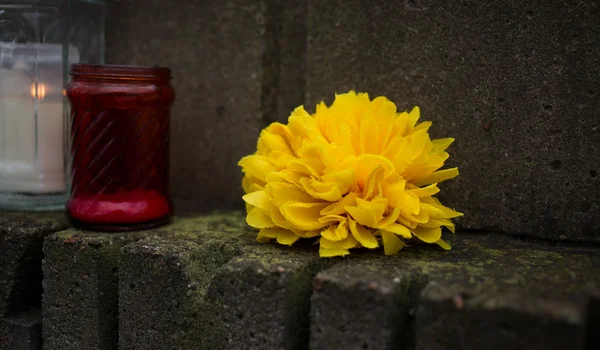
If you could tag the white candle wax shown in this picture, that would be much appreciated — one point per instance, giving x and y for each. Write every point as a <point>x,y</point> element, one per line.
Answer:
<point>32,136</point>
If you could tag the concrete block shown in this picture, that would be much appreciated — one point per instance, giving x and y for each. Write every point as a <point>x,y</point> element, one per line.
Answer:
<point>220,59</point>
<point>499,293</point>
<point>489,289</point>
<point>262,303</point>
<point>516,83</point>
<point>81,289</point>
<point>22,331</point>
<point>21,239</point>
<point>449,318</point>
<point>163,280</point>
<point>363,305</point>
<point>205,283</point>
<point>161,288</point>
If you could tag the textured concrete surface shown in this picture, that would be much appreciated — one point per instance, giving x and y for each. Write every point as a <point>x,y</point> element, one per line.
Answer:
<point>22,331</point>
<point>291,35</point>
<point>205,283</point>
<point>488,292</point>
<point>81,289</point>
<point>262,301</point>
<point>220,58</point>
<point>160,296</point>
<point>21,239</point>
<point>516,83</point>
<point>358,305</point>
<point>450,317</point>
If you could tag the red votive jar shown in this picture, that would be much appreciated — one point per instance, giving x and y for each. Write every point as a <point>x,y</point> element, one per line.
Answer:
<point>119,147</point>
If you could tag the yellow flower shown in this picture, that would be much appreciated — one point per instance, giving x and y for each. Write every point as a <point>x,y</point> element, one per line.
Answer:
<point>356,174</point>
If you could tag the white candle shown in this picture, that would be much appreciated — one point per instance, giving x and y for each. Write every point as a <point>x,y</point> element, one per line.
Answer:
<point>32,128</point>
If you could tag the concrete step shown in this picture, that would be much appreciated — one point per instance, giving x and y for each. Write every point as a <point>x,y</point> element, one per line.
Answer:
<point>22,331</point>
<point>204,283</point>
<point>21,240</point>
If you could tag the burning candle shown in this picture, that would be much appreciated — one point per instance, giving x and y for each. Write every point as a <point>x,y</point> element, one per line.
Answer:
<point>32,127</point>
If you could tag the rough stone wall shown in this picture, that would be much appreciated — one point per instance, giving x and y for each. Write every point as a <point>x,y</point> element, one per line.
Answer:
<point>216,51</point>
<point>516,83</point>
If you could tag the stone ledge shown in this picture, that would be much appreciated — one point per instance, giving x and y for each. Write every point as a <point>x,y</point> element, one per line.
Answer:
<point>22,331</point>
<point>203,282</point>
<point>21,239</point>
<point>489,291</point>
<point>80,289</point>
<point>217,288</point>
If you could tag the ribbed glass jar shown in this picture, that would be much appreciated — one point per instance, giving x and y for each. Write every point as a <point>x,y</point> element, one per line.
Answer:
<point>119,147</point>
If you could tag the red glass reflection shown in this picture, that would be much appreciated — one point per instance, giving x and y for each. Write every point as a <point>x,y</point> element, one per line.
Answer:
<point>119,147</point>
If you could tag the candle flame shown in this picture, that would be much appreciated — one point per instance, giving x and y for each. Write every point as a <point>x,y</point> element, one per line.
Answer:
<point>38,91</point>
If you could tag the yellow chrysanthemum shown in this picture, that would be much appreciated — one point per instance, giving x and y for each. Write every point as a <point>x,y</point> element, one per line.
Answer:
<point>356,174</point>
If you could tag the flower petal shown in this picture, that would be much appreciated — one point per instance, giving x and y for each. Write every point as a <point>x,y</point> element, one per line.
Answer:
<point>399,230</point>
<point>339,207</point>
<point>258,199</point>
<point>267,234</point>
<point>270,142</point>
<point>330,253</point>
<point>347,243</point>
<point>440,145</point>
<point>345,179</point>
<point>413,116</point>
<point>282,193</point>
<point>328,219</point>
<point>336,232</point>
<point>304,216</point>
<point>329,233</point>
<point>391,218</point>
<point>368,213</point>
<point>341,231</point>
<point>256,166</point>
<point>363,236</point>
<point>372,187</point>
<point>366,163</point>
<point>432,223</point>
<point>443,244</point>
<point>259,218</point>
<point>307,234</point>
<point>391,243</point>
<point>283,176</point>
<point>427,191</point>
<point>428,235</point>
<point>437,177</point>
<point>328,191</point>
<point>287,237</point>
<point>278,218</point>
<point>449,213</point>
<point>369,132</point>
<point>307,166</point>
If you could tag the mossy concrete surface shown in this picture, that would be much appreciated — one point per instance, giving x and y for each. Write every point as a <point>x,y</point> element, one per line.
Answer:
<point>362,306</point>
<point>22,331</point>
<point>203,282</point>
<point>489,291</point>
<point>81,289</point>
<point>21,239</point>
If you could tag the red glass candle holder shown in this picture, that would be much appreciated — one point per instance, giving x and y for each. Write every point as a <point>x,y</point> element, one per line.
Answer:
<point>119,147</point>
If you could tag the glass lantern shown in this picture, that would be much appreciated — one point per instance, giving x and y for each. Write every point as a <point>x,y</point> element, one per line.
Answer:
<point>38,42</point>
